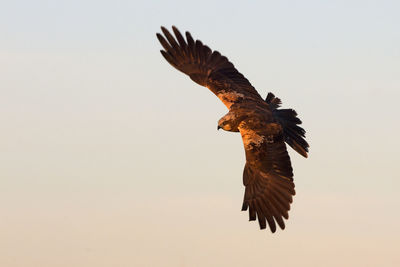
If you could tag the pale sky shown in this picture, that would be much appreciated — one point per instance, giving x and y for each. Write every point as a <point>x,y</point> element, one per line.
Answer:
<point>111,157</point>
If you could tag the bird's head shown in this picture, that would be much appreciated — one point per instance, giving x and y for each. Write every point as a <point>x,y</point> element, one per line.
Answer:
<point>228,122</point>
<point>224,125</point>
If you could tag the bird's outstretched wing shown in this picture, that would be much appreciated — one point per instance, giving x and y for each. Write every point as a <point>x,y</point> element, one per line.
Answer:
<point>268,174</point>
<point>206,67</point>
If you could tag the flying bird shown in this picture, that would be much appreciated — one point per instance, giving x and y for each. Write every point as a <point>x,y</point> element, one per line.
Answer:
<point>264,127</point>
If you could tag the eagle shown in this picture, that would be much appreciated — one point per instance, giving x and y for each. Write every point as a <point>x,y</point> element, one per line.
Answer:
<point>263,125</point>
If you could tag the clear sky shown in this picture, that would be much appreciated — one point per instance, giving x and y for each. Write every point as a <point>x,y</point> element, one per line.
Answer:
<point>110,157</point>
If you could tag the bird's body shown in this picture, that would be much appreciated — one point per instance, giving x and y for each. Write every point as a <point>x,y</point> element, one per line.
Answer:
<point>264,128</point>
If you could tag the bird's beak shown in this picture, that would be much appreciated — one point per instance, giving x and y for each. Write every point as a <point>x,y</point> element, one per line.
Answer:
<point>218,127</point>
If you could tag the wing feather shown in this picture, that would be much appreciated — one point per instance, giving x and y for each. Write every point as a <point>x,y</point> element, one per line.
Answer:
<point>180,38</point>
<point>206,67</point>
<point>168,57</point>
<point>265,208</point>
<point>163,42</point>
<point>176,48</point>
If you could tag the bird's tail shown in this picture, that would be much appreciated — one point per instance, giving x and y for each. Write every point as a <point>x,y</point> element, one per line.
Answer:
<point>294,134</point>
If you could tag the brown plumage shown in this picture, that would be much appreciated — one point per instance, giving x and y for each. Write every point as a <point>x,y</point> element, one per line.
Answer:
<point>268,174</point>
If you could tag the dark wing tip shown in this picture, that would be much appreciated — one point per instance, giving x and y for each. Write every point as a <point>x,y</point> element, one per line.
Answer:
<point>272,227</point>
<point>168,58</point>
<point>166,32</point>
<point>159,37</point>
<point>189,36</point>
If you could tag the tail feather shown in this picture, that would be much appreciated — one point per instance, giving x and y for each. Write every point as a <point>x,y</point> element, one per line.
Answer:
<point>294,134</point>
<point>273,101</point>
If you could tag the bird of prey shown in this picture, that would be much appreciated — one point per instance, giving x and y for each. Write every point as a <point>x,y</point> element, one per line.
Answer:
<point>264,127</point>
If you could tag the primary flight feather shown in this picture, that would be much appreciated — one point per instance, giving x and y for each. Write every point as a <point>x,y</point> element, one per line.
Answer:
<point>268,174</point>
